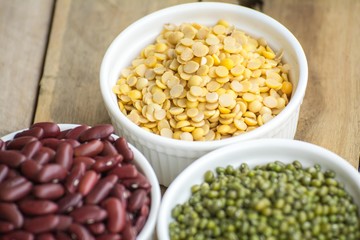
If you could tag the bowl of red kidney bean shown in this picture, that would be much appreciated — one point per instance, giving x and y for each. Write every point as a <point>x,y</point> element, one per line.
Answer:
<point>67,181</point>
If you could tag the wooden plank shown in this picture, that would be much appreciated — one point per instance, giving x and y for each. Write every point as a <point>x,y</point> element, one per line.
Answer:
<point>82,30</point>
<point>24,28</point>
<point>255,4</point>
<point>224,1</point>
<point>329,33</point>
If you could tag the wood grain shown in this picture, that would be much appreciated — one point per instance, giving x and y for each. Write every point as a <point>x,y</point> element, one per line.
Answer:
<point>24,27</point>
<point>255,4</point>
<point>329,33</point>
<point>224,1</point>
<point>82,31</point>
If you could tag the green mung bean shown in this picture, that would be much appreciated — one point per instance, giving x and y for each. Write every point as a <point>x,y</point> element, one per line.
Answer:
<point>273,201</point>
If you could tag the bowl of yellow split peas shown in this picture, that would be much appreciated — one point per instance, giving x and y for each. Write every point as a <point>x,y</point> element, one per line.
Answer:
<point>191,78</point>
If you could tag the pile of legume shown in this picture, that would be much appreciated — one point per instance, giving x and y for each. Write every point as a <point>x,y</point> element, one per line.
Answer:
<point>275,201</point>
<point>80,183</point>
<point>203,83</point>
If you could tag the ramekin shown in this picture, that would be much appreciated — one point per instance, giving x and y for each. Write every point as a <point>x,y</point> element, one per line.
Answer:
<point>254,153</point>
<point>167,156</point>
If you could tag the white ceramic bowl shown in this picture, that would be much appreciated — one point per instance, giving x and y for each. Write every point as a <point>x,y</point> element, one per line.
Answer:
<point>168,156</point>
<point>143,165</point>
<point>254,152</point>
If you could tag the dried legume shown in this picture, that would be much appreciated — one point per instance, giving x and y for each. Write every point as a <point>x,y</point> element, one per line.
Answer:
<point>79,183</point>
<point>218,68</point>
<point>272,201</point>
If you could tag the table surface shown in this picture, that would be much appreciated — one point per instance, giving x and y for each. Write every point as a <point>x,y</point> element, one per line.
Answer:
<point>50,55</point>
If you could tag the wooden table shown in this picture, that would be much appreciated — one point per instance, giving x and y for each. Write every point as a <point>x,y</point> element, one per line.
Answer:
<point>50,55</point>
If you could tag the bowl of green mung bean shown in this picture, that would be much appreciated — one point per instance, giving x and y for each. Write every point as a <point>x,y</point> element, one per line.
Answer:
<point>263,189</point>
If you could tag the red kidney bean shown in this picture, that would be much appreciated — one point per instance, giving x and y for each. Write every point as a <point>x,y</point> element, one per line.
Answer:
<point>89,149</point>
<point>74,143</point>
<point>88,214</point>
<point>97,132</point>
<point>109,236</point>
<point>80,204</point>
<point>136,200</point>
<point>109,149</point>
<point>87,182</point>
<point>45,236</point>
<point>130,217</point>
<point>50,129</point>
<point>52,143</point>
<point>63,133</point>
<point>62,236</point>
<point>125,171</point>
<point>41,224</point>
<point>37,207</point>
<point>73,179</point>
<point>140,222</point>
<point>119,191</point>
<point>10,212</point>
<point>101,190</point>
<point>33,132</point>
<point>80,232</point>
<point>139,182</point>
<point>31,148</point>
<point>129,232</point>
<point>30,169</point>
<point>64,155</point>
<point>3,172</point>
<point>20,142</point>
<point>6,227</point>
<point>48,191</point>
<point>11,158</point>
<point>12,173</point>
<point>116,215</point>
<point>106,163</point>
<point>44,155</point>
<point>68,202</point>
<point>64,222</point>
<point>97,228</point>
<point>12,182</point>
<point>110,138</point>
<point>88,161</point>
<point>147,200</point>
<point>50,172</point>
<point>18,235</point>
<point>123,148</point>
<point>75,132</point>
<point>144,210</point>
<point>14,189</point>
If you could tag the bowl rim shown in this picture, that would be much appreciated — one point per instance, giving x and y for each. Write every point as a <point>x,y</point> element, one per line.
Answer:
<point>281,118</point>
<point>146,168</point>
<point>255,145</point>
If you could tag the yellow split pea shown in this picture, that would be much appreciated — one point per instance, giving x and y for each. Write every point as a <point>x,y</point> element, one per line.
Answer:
<point>200,83</point>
